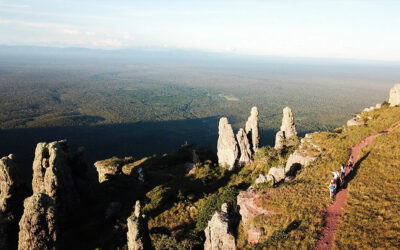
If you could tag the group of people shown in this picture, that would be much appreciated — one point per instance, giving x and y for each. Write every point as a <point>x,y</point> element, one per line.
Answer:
<point>338,178</point>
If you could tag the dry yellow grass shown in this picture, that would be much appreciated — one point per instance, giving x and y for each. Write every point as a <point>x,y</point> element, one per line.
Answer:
<point>372,218</point>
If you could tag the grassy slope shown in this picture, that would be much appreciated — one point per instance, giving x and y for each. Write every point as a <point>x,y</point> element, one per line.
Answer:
<point>372,218</point>
<point>300,205</point>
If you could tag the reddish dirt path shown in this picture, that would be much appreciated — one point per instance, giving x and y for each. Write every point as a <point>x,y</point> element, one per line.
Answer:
<point>335,211</point>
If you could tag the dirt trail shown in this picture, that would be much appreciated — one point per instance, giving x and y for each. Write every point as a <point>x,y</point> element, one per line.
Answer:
<point>335,211</point>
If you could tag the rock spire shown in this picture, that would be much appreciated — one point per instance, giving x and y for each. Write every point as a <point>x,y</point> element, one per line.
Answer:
<point>288,129</point>
<point>244,146</point>
<point>227,146</point>
<point>12,194</point>
<point>218,231</point>
<point>38,228</point>
<point>394,98</point>
<point>52,175</point>
<point>138,232</point>
<point>252,129</point>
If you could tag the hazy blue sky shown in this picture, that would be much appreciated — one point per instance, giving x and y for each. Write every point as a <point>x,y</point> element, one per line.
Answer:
<point>341,29</point>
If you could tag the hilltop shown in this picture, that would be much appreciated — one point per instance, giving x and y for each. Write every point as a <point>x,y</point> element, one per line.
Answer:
<point>245,196</point>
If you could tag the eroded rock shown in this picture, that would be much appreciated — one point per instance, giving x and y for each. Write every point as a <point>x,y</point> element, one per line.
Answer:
<point>138,232</point>
<point>227,146</point>
<point>394,98</point>
<point>300,158</point>
<point>38,225</point>
<point>252,129</point>
<point>244,146</point>
<point>287,131</point>
<point>12,194</point>
<point>276,175</point>
<point>356,121</point>
<point>52,175</point>
<point>218,232</point>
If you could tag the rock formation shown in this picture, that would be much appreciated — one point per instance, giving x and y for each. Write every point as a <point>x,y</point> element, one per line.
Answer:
<point>276,175</point>
<point>12,194</point>
<point>356,121</point>
<point>244,146</point>
<point>38,228</point>
<point>288,129</point>
<point>52,175</point>
<point>218,231</point>
<point>138,232</point>
<point>227,146</point>
<point>115,166</point>
<point>252,129</point>
<point>299,158</point>
<point>247,201</point>
<point>394,98</point>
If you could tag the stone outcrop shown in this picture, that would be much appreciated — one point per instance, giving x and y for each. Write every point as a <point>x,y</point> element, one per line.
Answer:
<point>106,169</point>
<point>356,121</point>
<point>52,175</point>
<point>247,201</point>
<point>288,129</point>
<point>218,232</point>
<point>227,146</point>
<point>12,194</point>
<point>276,175</point>
<point>244,146</point>
<point>38,227</point>
<point>394,98</point>
<point>138,232</point>
<point>252,129</point>
<point>299,158</point>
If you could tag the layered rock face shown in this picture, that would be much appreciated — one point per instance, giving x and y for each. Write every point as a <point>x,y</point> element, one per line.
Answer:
<point>138,232</point>
<point>114,166</point>
<point>38,228</point>
<point>52,175</point>
<point>12,194</point>
<point>297,159</point>
<point>252,129</point>
<point>247,201</point>
<point>288,129</point>
<point>394,98</point>
<point>227,146</point>
<point>244,146</point>
<point>218,231</point>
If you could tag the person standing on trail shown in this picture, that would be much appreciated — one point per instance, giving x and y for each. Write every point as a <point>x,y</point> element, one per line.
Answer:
<point>332,188</point>
<point>351,162</point>
<point>342,173</point>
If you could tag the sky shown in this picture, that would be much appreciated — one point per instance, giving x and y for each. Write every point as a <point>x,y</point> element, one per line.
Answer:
<point>356,29</point>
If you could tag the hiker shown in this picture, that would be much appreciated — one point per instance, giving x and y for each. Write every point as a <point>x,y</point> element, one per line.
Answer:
<point>342,173</point>
<point>334,183</point>
<point>351,162</point>
<point>332,188</point>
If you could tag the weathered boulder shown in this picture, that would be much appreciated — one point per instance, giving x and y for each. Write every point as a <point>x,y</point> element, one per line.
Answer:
<point>38,225</point>
<point>252,129</point>
<point>218,232</point>
<point>138,231</point>
<point>227,146</point>
<point>52,175</point>
<point>276,174</point>
<point>288,129</point>
<point>394,98</point>
<point>356,121</point>
<point>12,194</point>
<point>299,158</point>
<point>244,146</point>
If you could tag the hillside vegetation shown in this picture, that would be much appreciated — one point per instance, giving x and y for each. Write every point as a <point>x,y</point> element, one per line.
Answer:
<point>300,205</point>
<point>372,215</point>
